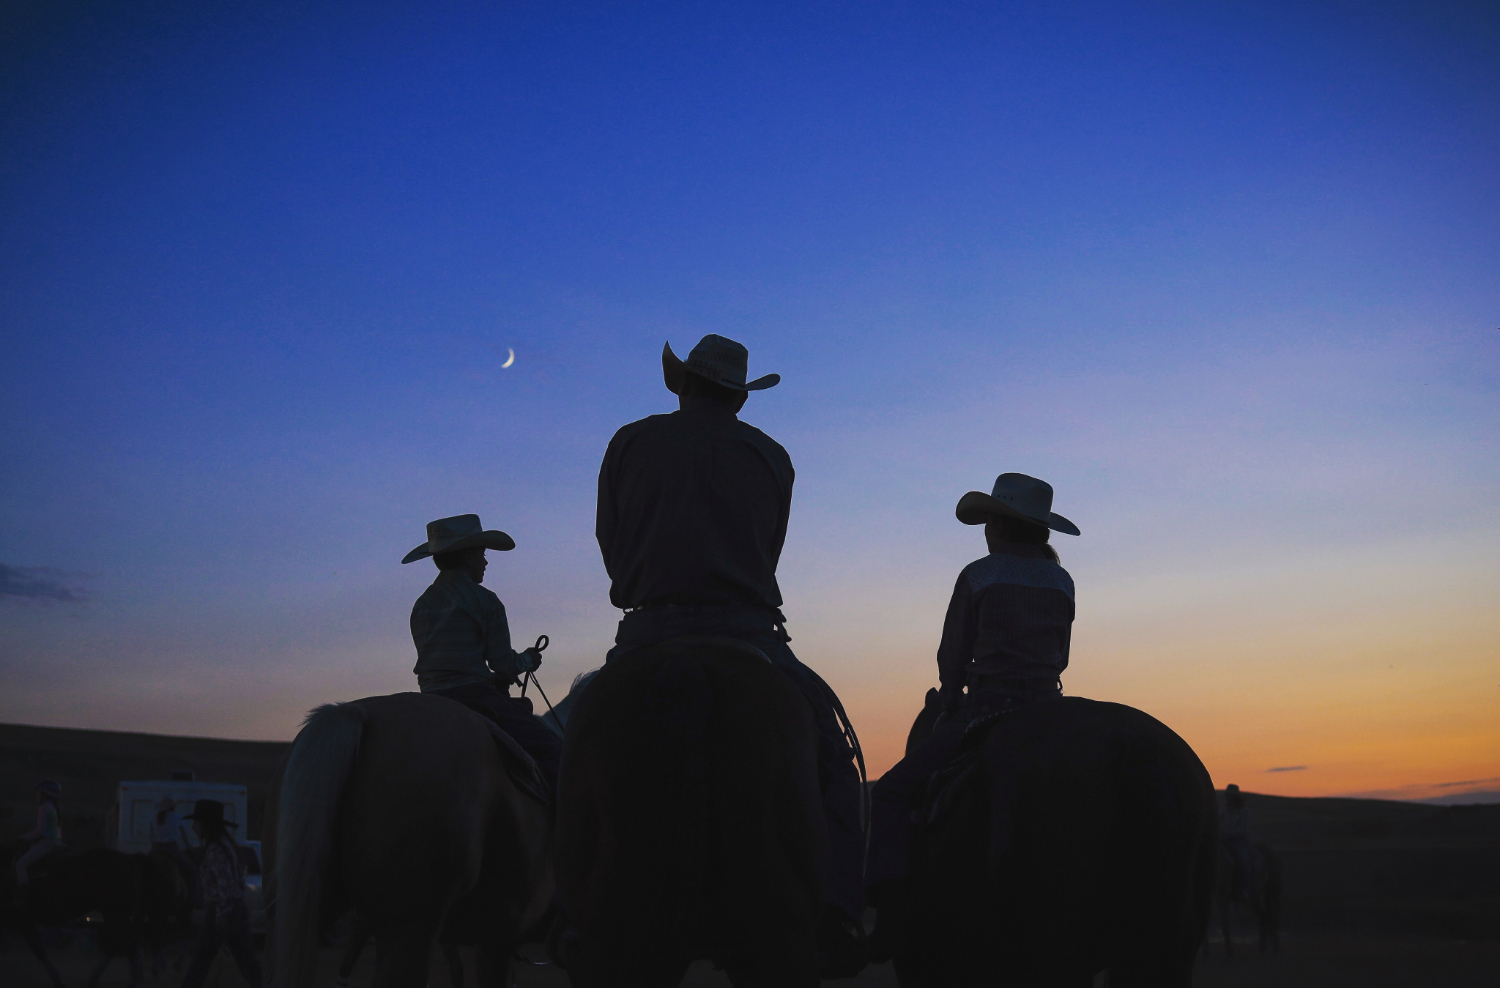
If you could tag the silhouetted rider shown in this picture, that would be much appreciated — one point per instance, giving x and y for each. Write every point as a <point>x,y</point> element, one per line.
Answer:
<point>463,637</point>
<point>1005,640</point>
<point>47,835</point>
<point>692,513</point>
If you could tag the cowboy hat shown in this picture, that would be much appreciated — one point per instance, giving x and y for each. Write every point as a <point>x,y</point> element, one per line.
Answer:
<point>717,358</point>
<point>458,533</point>
<point>1016,496</point>
<point>209,811</point>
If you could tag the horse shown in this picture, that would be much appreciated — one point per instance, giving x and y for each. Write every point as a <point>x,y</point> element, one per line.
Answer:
<point>359,938</point>
<point>404,809</point>
<point>1263,897</point>
<point>67,885</point>
<point>689,821</point>
<point>166,910</point>
<point>1077,836</point>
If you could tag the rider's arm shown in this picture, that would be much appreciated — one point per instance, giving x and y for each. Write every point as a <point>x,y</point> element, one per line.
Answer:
<point>506,663</point>
<point>957,647</point>
<point>606,522</point>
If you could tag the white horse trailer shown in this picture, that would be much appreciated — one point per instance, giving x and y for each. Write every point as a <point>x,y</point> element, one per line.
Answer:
<point>136,807</point>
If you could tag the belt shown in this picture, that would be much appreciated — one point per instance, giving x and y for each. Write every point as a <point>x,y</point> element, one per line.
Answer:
<point>656,605</point>
<point>664,605</point>
<point>1050,685</point>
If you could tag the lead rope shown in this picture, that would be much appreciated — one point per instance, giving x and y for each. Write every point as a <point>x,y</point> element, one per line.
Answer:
<point>847,727</point>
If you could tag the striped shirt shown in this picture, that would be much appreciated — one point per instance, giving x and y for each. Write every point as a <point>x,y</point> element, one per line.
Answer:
<point>221,876</point>
<point>1011,617</point>
<point>462,635</point>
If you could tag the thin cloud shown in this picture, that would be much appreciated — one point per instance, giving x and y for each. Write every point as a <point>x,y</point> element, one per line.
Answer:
<point>40,583</point>
<point>1288,768</point>
<point>1468,782</point>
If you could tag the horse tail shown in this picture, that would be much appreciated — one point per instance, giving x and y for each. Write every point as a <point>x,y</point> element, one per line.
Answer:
<point>320,763</point>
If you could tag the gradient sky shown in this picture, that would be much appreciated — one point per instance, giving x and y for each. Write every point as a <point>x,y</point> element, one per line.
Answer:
<point>1228,276</point>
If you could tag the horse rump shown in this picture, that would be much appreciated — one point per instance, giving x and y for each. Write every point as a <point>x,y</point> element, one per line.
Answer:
<point>1082,841</point>
<point>688,819</point>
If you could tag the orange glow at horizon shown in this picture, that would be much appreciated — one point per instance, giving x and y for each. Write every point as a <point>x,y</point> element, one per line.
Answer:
<point>1365,672</point>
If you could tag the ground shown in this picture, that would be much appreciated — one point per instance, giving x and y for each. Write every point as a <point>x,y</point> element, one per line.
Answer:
<point>1378,893</point>
<point>1316,962</point>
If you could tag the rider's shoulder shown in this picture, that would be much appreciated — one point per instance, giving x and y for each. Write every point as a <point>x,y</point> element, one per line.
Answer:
<point>758,438</point>
<point>650,423</point>
<point>1020,570</point>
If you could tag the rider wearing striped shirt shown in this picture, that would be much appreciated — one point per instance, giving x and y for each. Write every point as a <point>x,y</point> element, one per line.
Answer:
<point>462,637</point>
<point>1005,643</point>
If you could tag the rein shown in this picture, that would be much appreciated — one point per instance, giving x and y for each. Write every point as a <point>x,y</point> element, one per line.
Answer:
<point>541,646</point>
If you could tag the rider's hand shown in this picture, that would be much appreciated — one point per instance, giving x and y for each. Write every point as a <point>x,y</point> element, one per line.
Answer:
<point>530,660</point>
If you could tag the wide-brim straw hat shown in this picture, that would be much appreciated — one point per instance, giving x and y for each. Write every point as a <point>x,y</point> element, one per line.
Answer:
<point>717,358</point>
<point>456,534</point>
<point>1017,496</point>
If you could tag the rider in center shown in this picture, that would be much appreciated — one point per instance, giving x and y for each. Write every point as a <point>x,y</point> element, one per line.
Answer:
<point>692,514</point>
<point>463,637</point>
<point>1005,640</point>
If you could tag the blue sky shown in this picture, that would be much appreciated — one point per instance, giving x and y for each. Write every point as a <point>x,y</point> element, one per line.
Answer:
<point>1225,276</point>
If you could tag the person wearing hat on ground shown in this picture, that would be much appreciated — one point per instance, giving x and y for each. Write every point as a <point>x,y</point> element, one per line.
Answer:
<point>1005,640</point>
<point>463,638</point>
<point>692,514</point>
<point>1234,831</point>
<point>226,921</point>
<point>47,834</point>
<point>167,837</point>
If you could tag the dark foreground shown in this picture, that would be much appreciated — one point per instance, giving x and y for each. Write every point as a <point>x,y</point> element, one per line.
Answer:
<point>1319,962</point>
<point>1377,893</point>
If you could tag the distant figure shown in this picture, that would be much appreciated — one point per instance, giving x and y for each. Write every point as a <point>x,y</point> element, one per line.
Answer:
<point>463,638</point>
<point>1005,638</point>
<point>1234,829</point>
<point>226,921</point>
<point>47,834</point>
<point>168,838</point>
<point>692,514</point>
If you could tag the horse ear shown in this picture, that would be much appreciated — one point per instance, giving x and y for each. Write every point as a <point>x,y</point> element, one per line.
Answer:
<point>932,697</point>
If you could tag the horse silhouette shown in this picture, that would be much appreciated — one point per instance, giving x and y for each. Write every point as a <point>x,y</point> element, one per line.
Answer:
<point>1076,837</point>
<point>689,820</point>
<point>403,809</point>
<point>67,885</point>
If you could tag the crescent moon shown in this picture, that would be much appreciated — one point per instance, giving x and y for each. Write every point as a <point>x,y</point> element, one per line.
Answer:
<point>511,359</point>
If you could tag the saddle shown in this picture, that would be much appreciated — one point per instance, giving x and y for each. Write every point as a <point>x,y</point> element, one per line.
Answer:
<point>937,798</point>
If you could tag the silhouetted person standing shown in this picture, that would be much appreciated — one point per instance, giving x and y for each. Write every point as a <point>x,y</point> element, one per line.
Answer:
<point>221,876</point>
<point>1234,830</point>
<point>692,514</point>
<point>168,839</point>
